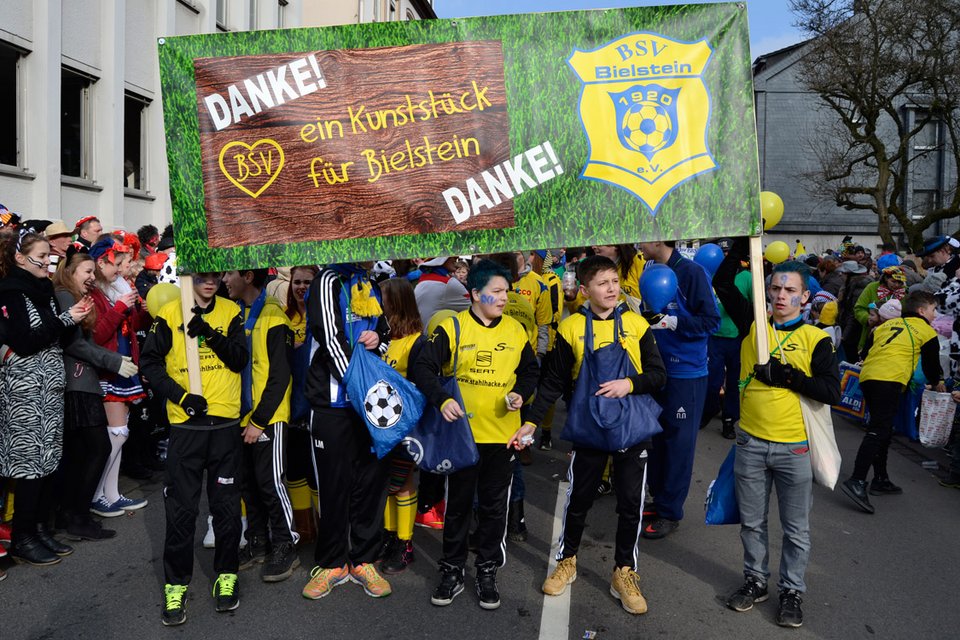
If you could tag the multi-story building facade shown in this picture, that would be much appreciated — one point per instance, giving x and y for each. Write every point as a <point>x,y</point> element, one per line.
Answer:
<point>81,122</point>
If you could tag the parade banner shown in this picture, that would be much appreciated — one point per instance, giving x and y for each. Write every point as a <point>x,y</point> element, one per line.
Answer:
<point>476,135</point>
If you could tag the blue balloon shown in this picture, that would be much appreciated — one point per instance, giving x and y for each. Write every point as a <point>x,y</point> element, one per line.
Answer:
<point>709,256</point>
<point>658,287</point>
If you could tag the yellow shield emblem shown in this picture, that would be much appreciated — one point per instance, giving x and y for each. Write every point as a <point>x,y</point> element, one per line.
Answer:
<point>646,112</point>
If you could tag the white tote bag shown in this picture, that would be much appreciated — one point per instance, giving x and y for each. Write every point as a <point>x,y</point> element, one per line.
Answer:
<point>824,454</point>
<point>936,418</point>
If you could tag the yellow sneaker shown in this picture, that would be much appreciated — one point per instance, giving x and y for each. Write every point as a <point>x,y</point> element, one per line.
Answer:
<point>564,574</point>
<point>322,581</point>
<point>625,587</point>
<point>367,576</point>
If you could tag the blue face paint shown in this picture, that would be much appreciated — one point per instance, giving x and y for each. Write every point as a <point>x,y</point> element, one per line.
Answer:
<point>486,298</point>
<point>795,301</point>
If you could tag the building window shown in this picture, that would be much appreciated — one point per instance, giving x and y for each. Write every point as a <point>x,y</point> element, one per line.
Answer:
<point>10,113</point>
<point>410,15</point>
<point>393,11</point>
<point>924,201</point>
<point>253,15</point>
<point>75,120</point>
<point>281,9</point>
<point>377,10</point>
<point>222,15</point>
<point>134,142</point>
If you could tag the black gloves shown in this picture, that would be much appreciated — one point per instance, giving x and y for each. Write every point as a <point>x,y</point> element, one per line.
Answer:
<point>198,327</point>
<point>194,405</point>
<point>652,318</point>
<point>777,374</point>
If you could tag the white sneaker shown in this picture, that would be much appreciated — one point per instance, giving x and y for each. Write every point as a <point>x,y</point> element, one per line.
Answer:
<point>209,541</point>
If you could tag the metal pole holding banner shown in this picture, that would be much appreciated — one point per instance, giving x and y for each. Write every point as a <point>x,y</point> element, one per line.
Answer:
<point>759,299</point>
<point>187,303</point>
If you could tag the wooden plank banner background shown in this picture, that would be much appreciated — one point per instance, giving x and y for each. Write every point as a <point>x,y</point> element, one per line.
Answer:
<point>368,151</point>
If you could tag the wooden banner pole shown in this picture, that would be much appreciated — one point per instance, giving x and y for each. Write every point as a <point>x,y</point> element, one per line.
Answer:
<point>759,298</point>
<point>187,303</point>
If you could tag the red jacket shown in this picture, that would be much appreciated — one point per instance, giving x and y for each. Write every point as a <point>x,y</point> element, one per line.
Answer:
<point>112,319</point>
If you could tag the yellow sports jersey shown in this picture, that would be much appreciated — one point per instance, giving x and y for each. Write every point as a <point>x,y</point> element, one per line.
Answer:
<point>221,387</point>
<point>772,413</point>
<point>486,372</point>
<point>896,350</point>
<point>520,310</point>
<point>271,316</point>
<point>299,329</point>
<point>555,293</point>
<point>630,285</point>
<point>531,287</point>
<point>634,327</point>
<point>398,352</point>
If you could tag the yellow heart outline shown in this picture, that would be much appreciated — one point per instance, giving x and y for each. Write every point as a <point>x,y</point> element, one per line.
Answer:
<point>251,147</point>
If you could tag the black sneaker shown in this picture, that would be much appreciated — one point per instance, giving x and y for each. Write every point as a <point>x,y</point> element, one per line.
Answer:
<point>255,551</point>
<point>605,488</point>
<point>884,487</point>
<point>660,528</point>
<point>952,481</point>
<point>451,585</point>
<point>226,591</point>
<point>487,588</point>
<point>174,611</point>
<point>400,560</point>
<point>751,593</point>
<point>790,614</point>
<point>281,563</point>
<point>546,442</point>
<point>389,545</point>
<point>727,431</point>
<point>856,490</point>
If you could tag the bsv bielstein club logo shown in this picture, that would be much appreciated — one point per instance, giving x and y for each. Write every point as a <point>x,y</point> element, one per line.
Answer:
<point>646,113</point>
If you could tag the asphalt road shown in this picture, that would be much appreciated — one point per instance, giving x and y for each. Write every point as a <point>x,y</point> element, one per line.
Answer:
<point>889,575</point>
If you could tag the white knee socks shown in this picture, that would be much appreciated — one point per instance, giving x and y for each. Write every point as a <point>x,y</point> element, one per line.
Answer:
<point>109,481</point>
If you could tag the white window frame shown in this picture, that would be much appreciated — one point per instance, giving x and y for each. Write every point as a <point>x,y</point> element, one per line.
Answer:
<point>222,14</point>
<point>19,91</point>
<point>144,187</point>
<point>281,10</point>
<point>86,126</point>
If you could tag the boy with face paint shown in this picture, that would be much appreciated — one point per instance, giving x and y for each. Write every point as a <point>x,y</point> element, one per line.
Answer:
<point>497,371</point>
<point>772,441</point>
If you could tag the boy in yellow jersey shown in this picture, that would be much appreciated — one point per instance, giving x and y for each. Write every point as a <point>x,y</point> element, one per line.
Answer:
<point>203,437</point>
<point>496,370</point>
<point>265,412</point>
<point>897,345</point>
<point>772,444</point>
<point>600,284</point>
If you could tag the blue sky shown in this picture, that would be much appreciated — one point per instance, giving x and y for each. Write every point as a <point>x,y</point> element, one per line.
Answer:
<point>771,23</point>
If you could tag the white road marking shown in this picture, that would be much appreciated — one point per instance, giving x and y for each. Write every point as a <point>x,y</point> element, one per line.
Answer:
<point>555,619</point>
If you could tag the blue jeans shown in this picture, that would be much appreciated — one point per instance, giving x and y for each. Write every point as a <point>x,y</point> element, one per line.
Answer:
<point>723,367</point>
<point>759,465</point>
<point>671,458</point>
<point>519,490</point>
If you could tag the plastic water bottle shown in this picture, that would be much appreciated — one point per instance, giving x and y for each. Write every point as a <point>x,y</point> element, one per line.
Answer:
<point>569,281</point>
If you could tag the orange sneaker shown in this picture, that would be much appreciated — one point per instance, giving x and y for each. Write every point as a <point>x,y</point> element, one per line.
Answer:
<point>432,519</point>
<point>367,576</point>
<point>322,581</point>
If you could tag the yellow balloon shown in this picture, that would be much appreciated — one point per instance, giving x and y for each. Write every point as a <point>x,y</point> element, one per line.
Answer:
<point>777,252</point>
<point>437,318</point>
<point>771,208</point>
<point>161,294</point>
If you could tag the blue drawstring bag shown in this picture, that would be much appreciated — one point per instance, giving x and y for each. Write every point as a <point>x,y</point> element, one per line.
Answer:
<point>608,424</point>
<point>721,505</point>
<point>439,446</point>
<point>389,404</point>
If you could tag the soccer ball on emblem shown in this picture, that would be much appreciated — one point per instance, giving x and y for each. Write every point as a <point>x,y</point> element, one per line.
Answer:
<point>383,405</point>
<point>646,128</point>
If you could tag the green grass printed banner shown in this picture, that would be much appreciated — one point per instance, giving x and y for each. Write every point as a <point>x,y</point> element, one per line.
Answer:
<point>475,135</point>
